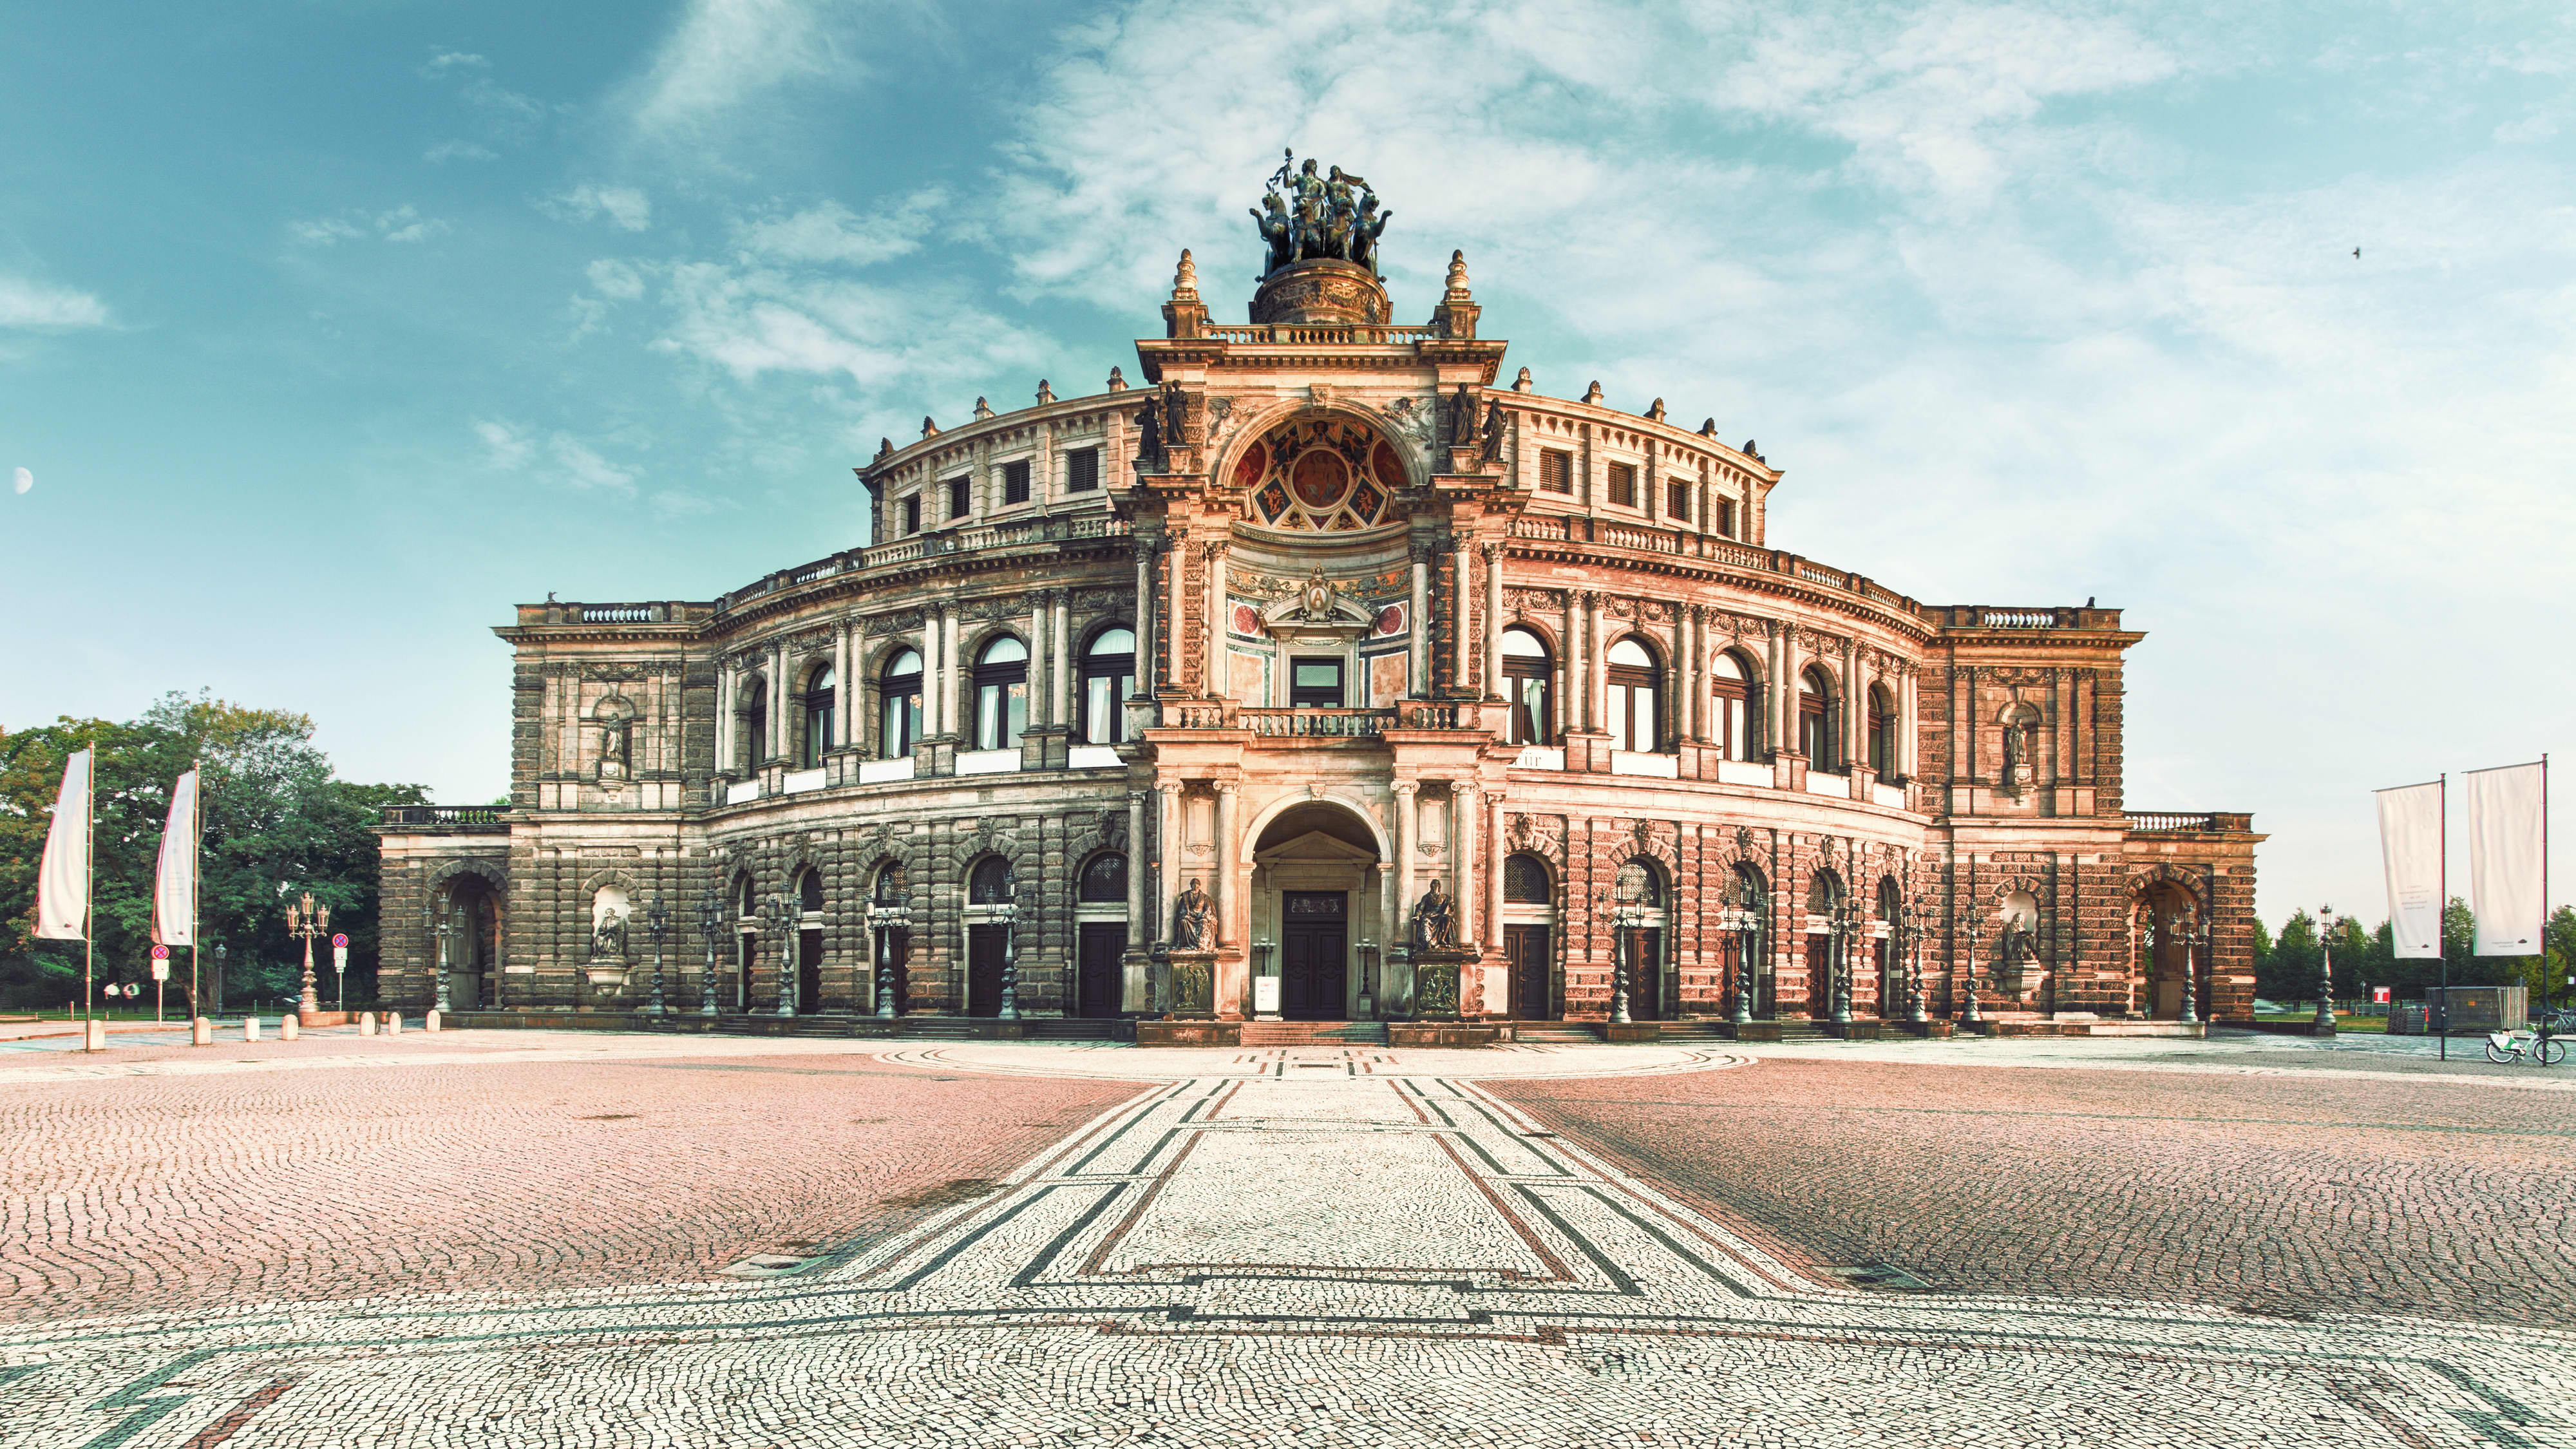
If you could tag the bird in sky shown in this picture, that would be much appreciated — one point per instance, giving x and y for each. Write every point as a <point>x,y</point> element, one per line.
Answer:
<point>2356,254</point>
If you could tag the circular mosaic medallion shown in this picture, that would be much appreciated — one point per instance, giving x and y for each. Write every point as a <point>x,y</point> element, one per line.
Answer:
<point>1323,474</point>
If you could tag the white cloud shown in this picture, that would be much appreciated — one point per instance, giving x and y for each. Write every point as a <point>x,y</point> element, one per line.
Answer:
<point>723,52</point>
<point>36,305</point>
<point>555,458</point>
<point>451,59</point>
<point>22,480</point>
<point>612,278</point>
<point>831,232</point>
<point>402,224</point>
<point>625,207</point>
<point>446,151</point>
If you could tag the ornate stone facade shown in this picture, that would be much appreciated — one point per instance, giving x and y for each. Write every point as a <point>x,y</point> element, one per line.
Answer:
<point>1318,617</point>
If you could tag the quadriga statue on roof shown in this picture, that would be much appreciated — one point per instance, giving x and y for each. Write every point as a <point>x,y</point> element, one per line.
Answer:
<point>1306,217</point>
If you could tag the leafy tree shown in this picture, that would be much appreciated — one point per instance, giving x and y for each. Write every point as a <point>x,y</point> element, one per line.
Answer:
<point>2288,971</point>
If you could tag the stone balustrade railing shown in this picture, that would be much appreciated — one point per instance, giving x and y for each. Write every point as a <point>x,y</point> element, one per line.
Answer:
<point>447,817</point>
<point>2170,822</point>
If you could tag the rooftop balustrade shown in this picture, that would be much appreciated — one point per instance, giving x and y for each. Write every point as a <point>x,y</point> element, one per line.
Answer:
<point>2185,822</point>
<point>469,819</point>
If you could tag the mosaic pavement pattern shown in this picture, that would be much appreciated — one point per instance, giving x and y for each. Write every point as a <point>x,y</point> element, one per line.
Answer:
<point>1300,1247</point>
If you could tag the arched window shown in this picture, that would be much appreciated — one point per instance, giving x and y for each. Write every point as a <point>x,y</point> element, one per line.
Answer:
<point>809,892</point>
<point>1527,680</point>
<point>746,901</point>
<point>1733,719</point>
<point>1639,883</point>
<point>755,721</point>
<point>1525,881</point>
<point>1108,677</point>
<point>1001,694</point>
<point>899,705</point>
<point>889,887</point>
<point>1104,880</point>
<point>990,884</point>
<point>1824,893</point>
<point>1636,698</point>
<point>1816,719</point>
<point>1882,731</point>
<point>820,695</point>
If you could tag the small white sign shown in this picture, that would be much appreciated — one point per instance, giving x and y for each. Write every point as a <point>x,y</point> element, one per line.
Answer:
<point>1265,994</point>
<point>160,968</point>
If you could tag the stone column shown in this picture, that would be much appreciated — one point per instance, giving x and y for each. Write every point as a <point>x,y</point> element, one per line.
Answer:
<point>1212,667</point>
<point>724,723</point>
<point>1493,621</point>
<point>1790,685</point>
<point>1699,700</point>
<point>1060,708</point>
<point>1569,667</point>
<point>951,625</point>
<point>930,722</point>
<point>1041,662</point>
<point>778,698</point>
<point>1176,563</point>
<point>1594,703</point>
<point>1232,921</point>
<point>1419,665</point>
<point>1145,640</point>
<point>1462,651</point>
<point>1167,846</point>
<point>1140,929</point>
<point>1462,855</point>
<point>1685,674</point>
<point>1405,821</point>
<point>845,717</point>
<point>1906,726</point>
<point>1493,937</point>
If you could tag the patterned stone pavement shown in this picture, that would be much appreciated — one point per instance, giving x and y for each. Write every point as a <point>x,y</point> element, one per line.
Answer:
<point>1307,1247</point>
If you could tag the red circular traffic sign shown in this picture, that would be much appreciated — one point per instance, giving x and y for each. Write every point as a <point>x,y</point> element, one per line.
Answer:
<point>339,940</point>
<point>160,953</point>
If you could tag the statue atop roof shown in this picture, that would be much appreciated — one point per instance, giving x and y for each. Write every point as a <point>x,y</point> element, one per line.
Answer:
<point>1305,217</point>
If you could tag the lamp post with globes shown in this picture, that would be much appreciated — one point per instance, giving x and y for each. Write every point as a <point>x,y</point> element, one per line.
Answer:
<point>1614,908</point>
<point>2327,924</point>
<point>657,924</point>
<point>2195,943</point>
<point>785,916</point>
<point>888,914</point>
<point>1968,978</point>
<point>1009,911</point>
<point>306,919</point>
<point>1747,905</point>
<point>1848,919</point>
<point>710,926</point>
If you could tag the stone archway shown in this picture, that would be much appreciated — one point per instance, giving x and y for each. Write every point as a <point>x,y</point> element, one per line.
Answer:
<point>1314,900</point>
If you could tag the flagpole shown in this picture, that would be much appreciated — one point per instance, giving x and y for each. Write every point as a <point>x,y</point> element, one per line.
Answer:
<point>196,872</point>
<point>2442,917</point>
<point>89,891</point>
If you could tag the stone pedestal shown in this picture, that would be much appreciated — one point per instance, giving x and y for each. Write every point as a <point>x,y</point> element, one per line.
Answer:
<point>1435,982</point>
<point>1193,989</point>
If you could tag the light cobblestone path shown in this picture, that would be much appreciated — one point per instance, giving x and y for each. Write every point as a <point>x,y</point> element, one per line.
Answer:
<point>1310,1246</point>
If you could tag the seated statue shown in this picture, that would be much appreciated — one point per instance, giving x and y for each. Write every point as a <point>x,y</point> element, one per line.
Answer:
<point>1191,914</point>
<point>1432,918</point>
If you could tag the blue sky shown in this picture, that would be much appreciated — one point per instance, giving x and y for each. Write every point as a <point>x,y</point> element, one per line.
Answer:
<point>330,330</point>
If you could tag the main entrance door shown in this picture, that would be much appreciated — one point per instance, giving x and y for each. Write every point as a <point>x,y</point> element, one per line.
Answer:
<point>1314,955</point>
<point>1526,948</point>
<point>1099,968</point>
<point>809,971</point>
<point>1646,974</point>
<point>984,970</point>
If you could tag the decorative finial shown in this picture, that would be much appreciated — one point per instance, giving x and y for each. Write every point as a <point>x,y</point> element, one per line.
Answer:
<point>1458,270</point>
<point>1046,394</point>
<point>1522,383</point>
<point>1708,428</point>
<point>1186,278</point>
<point>983,409</point>
<point>1592,394</point>
<point>929,429</point>
<point>884,446</point>
<point>1117,380</point>
<point>1752,452</point>
<point>1656,412</point>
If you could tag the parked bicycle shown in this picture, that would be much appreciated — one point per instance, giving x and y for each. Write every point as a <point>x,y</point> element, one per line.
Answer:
<point>2544,1045</point>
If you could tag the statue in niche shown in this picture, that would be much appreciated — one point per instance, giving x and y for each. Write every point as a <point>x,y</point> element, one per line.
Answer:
<point>2021,746</point>
<point>608,937</point>
<point>1149,440</point>
<point>1433,919</point>
<point>613,744</point>
<point>1191,916</point>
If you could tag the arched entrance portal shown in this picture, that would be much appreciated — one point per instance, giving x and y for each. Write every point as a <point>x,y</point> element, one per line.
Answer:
<point>471,917</point>
<point>2160,935</point>
<point>1315,903</point>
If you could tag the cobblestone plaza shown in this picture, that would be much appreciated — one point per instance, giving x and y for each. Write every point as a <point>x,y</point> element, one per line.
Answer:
<point>593,1238</point>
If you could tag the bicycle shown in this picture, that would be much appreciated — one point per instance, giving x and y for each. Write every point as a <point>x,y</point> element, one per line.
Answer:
<point>2508,1046</point>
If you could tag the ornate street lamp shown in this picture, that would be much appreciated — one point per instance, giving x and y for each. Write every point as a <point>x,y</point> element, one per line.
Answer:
<point>1747,906</point>
<point>787,914</point>
<point>1968,1007</point>
<point>1918,925</point>
<point>308,920</point>
<point>1368,974</point>
<point>1846,919</point>
<point>710,925</point>
<point>2195,940</point>
<point>1009,911</point>
<point>1622,917</point>
<point>443,932</point>
<point>2327,924</point>
<point>885,917</point>
<point>657,923</point>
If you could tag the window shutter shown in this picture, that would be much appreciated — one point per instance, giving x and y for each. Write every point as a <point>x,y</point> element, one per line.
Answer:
<point>1083,471</point>
<point>1623,484</point>
<point>1556,471</point>
<point>1015,482</point>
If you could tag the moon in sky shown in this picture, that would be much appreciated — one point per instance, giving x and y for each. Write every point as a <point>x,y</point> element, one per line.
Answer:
<point>26,480</point>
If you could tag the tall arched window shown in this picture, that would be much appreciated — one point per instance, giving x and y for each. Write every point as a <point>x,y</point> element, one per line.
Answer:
<point>1108,677</point>
<point>755,722</point>
<point>1636,698</point>
<point>1733,719</point>
<point>809,892</point>
<point>1816,719</point>
<point>1527,680</point>
<point>1001,694</point>
<point>1638,883</point>
<point>899,705</point>
<point>1525,881</point>
<point>990,884</point>
<point>889,888</point>
<point>1882,731</point>
<point>1103,881</point>
<point>820,696</point>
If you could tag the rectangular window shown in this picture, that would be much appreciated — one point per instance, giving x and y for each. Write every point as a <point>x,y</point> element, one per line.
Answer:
<point>1082,470</point>
<point>960,498</point>
<point>912,514</point>
<point>1315,684</point>
<point>1677,500</point>
<point>1015,482</point>
<point>1555,472</point>
<point>1726,517</point>
<point>1623,484</point>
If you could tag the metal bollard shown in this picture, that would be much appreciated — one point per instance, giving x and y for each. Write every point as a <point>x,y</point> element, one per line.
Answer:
<point>393,1023</point>
<point>201,1032</point>
<point>250,1028</point>
<point>286,1026</point>
<point>429,1021</point>
<point>366,1023</point>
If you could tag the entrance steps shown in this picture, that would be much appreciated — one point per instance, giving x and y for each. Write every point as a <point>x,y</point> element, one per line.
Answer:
<point>1313,1033</point>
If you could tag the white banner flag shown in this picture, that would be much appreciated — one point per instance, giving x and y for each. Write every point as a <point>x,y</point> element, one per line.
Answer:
<point>62,882</point>
<point>2506,868</point>
<point>2410,847</point>
<point>174,890</point>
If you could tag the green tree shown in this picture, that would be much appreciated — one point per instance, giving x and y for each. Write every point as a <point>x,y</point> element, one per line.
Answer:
<point>2289,970</point>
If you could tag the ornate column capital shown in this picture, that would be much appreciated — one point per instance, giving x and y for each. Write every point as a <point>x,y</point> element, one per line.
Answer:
<point>1405,788</point>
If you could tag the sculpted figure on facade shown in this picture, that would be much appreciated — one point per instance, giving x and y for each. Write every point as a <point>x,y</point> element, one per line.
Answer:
<point>1192,913</point>
<point>608,937</point>
<point>1309,217</point>
<point>1433,919</point>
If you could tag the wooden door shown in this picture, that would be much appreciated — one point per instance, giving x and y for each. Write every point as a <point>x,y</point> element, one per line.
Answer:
<point>897,946</point>
<point>1526,948</point>
<point>1102,975</point>
<point>809,971</point>
<point>984,970</point>
<point>1314,956</point>
<point>746,951</point>
<point>1820,977</point>
<point>1646,975</point>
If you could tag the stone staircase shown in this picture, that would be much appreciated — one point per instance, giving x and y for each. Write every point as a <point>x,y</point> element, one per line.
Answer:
<point>1313,1033</point>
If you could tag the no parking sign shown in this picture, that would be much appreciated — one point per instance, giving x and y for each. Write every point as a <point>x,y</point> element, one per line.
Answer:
<point>160,963</point>
<point>340,953</point>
